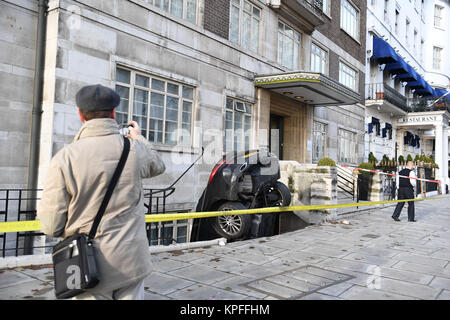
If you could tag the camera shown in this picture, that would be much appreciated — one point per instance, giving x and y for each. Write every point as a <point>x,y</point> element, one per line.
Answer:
<point>124,128</point>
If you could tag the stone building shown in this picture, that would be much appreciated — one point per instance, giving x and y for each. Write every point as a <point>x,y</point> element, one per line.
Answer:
<point>220,74</point>
<point>406,71</point>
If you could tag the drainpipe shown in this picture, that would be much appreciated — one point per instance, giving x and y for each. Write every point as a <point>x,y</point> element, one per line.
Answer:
<point>33,164</point>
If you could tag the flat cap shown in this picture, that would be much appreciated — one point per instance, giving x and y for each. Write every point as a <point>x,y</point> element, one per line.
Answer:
<point>97,98</point>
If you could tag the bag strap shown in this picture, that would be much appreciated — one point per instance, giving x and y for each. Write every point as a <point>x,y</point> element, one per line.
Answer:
<point>111,186</point>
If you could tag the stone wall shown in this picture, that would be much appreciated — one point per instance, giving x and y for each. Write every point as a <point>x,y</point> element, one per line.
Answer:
<point>18,24</point>
<point>311,185</point>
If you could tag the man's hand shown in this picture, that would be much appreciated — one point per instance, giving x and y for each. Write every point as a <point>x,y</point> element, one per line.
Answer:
<point>134,130</point>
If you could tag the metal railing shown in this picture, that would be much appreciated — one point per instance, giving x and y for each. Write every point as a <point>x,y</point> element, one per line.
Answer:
<point>382,91</point>
<point>14,204</point>
<point>314,5</point>
<point>346,182</point>
<point>426,104</point>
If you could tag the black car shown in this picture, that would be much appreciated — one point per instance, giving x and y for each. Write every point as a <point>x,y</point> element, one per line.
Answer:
<point>241,180</point>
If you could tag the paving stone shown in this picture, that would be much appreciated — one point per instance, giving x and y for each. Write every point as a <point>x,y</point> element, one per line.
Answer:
<point>12,277</point>
<point>440,283</point>
<point>444,295</point>
<point>337,289</point>
<point>364,293</point>
<point>235,284</point>
<point>200,274</point>
<point>33,290</point>
<point>166,265</point>
<point>407,288</point>
<point>202,292</point>
<point>419,259</point>
<point>163,283</point>
<point>319,296</point>
<point>409,276</point>
<point>422,268</point>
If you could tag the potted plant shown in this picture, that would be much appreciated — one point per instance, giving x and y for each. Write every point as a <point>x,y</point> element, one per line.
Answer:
<point>326,162</point>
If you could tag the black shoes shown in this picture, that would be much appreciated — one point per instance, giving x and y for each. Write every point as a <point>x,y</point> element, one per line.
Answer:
<point>396,219</point>
<point>412,220</point>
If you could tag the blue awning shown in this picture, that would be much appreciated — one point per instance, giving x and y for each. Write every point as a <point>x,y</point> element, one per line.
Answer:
<point>427,91</point>
<point>383,52</point>
<point>397,67</point>
<point>411,75</point>
<point>418,84</point>
<point>440,93</point>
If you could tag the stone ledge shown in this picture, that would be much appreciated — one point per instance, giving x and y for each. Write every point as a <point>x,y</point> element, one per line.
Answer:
<point>21,261</point>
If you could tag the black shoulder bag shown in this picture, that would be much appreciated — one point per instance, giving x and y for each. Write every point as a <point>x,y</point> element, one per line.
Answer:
<point>74,264</point>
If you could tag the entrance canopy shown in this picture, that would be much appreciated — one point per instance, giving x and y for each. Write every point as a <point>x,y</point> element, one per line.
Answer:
<point>312,88</point>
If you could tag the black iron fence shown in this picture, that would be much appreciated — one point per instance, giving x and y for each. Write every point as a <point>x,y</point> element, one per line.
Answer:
<point>382,91</point>
<point>20,205</point>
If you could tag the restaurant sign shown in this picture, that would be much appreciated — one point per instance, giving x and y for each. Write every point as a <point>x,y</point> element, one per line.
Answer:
<point>418,119</point>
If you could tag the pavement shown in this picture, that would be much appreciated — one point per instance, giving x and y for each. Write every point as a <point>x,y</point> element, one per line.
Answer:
<point>367,256</point>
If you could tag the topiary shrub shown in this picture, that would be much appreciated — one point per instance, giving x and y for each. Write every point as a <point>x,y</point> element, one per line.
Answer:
<point>372,158</point>
<point>326,162</point>
<point>401,160</point>
<point>409,158</point>
<point>368,166</point>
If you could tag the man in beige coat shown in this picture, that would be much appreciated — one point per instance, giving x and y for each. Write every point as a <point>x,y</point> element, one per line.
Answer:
<point>75,186</point>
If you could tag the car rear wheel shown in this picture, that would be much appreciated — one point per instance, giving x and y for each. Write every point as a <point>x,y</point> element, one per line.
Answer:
<point>232,227</point>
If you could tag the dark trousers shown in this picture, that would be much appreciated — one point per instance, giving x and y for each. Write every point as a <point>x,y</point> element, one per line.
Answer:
<point>405,193</point>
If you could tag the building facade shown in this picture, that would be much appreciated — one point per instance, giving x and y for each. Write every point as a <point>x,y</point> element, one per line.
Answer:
<point>223,75</point>
<point>403,80</point>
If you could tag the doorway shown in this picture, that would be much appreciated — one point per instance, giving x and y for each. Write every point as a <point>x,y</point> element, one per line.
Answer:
<point>276,135</point>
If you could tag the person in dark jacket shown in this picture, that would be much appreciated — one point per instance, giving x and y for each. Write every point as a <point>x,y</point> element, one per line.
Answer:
<point>406,191</point>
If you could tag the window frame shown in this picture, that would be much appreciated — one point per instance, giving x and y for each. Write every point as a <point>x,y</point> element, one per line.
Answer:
<point>356,81</point>
<point>242,10</point>
<point>235,101</point>
<point>440,16</point>
<point>439,59</point>
<point>324,138</point>
<point>357,34</point>
<point>322,50</point>
<point>353,155</point>
<point>295,42</point>
<point>184,9</point>
<point>132,86</point>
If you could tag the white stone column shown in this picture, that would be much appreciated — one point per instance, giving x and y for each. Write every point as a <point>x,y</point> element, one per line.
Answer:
<point>445,157</point>
<point>439,155</point>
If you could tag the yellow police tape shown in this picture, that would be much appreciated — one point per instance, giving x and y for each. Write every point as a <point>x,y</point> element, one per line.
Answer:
<point>34,225</point>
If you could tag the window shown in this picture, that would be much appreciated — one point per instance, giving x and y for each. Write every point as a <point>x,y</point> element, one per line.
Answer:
<point>288,46</point>
<point>407,32</point>
<point>414,42</point>
<point>438,11</point>
<point>183,9</point>
<point>238,125</point>
<point>244,24</point>
<point>163,109</point>
<point>349,19</point>
<point>347,146</point>
<point>319,58</point>
<point>347,76</point>
<point>386,11</point>
<point>397,16</point>
<point>437,57</point>
<point>326,6</point>
<point>165,233</point>
<point>422,42</point>
<point>319,140</point>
